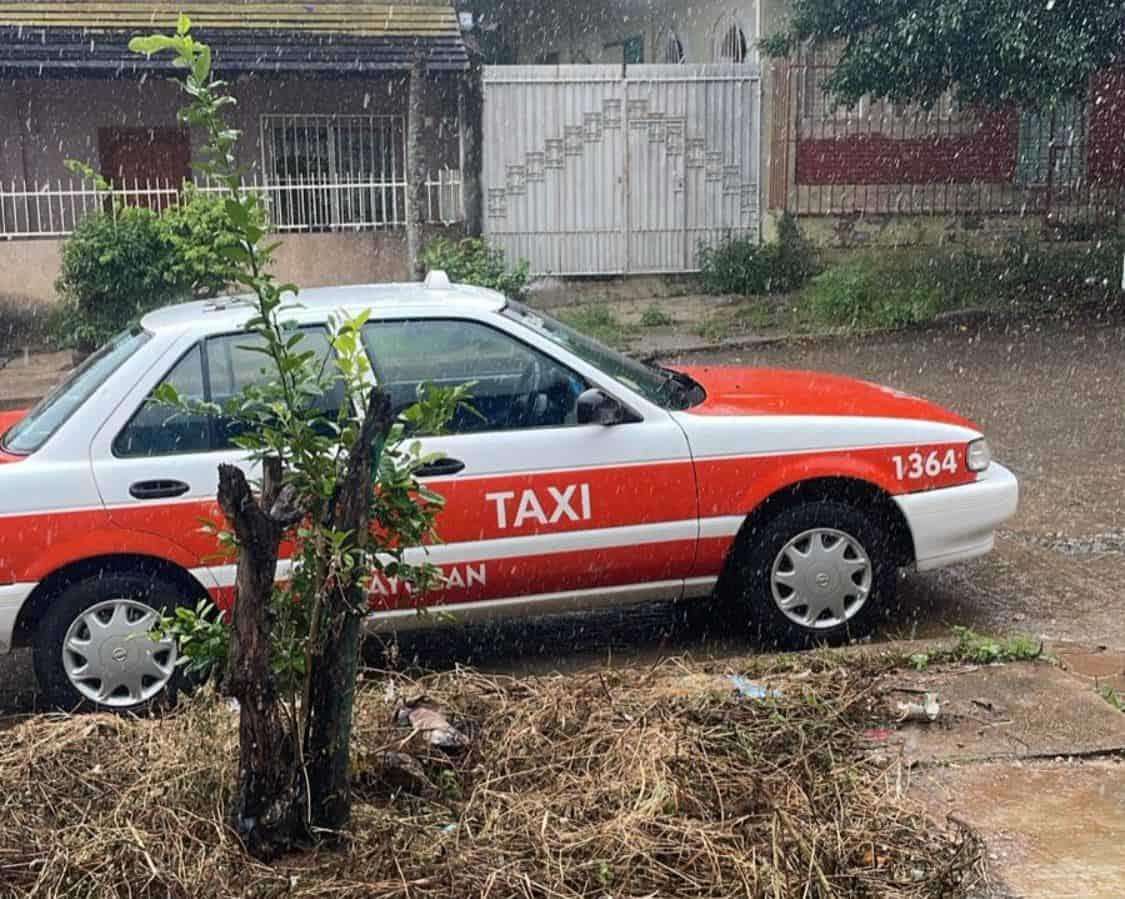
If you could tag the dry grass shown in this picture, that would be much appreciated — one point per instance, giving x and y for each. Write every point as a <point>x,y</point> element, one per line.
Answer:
<point>628,783</point>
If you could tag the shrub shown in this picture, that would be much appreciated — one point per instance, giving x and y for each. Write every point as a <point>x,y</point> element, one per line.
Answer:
<point>1033,270</point>
<point>198,232</point>
<point>655,317</point>
<point>112,271</point>
<point>117,265</point>
<point>886,292</point>
<point>859,293</point>
<point>474,261</point>
<point>739,265</point>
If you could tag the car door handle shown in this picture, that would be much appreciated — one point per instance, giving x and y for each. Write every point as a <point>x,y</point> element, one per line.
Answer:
<point>439,467</point>
<point>158,489</point>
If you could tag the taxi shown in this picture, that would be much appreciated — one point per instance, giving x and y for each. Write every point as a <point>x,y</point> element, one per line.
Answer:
<point>581,478</point>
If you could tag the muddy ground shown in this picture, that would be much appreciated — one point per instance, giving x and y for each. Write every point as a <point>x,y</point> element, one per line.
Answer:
<point>1050,396</point>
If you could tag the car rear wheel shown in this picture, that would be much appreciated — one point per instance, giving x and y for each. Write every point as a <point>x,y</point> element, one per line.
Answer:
<point>818,572</point>
<point>94,649</point>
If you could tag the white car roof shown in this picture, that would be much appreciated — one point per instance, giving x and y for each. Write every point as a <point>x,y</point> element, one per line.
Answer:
<point>315,304</point>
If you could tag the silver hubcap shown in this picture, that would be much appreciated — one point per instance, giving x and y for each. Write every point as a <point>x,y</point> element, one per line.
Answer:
<point>821,578</point>
<point>110,657</point>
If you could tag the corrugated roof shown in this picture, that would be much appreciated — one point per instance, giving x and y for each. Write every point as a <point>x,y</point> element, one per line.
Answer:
<point>355,19</point>
<point>72,39</point>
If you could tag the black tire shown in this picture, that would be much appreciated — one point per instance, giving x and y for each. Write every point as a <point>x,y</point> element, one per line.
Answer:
<point>747,595</point>
<point>77,597</point>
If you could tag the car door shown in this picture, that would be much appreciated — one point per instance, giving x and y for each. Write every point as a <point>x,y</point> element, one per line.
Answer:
<point>156,467</point>
<point>540,510</point>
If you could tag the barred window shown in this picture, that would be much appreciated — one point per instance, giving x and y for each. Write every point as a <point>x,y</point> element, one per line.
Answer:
<point>335,173</point>
<point>671,47</point>
<point>731,43</point>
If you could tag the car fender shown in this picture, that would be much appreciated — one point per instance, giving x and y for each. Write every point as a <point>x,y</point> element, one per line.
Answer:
<point>790,472</point>
<point>114,541</point>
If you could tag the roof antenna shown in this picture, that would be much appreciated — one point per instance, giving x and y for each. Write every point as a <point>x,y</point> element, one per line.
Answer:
<point>437,280</point>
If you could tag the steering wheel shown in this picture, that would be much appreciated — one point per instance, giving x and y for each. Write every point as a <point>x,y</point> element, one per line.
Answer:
<point>523,395</point>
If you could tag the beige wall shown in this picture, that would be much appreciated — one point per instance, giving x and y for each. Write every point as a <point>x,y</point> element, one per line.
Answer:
<point>322,260</point>
<point>28,268</point>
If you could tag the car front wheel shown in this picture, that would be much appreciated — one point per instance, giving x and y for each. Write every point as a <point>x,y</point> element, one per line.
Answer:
<point>817,572</point>
<point>94,647</point>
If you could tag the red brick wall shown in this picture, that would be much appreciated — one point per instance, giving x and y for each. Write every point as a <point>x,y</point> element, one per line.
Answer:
<point>988,155</point>
<point>1105,153</point>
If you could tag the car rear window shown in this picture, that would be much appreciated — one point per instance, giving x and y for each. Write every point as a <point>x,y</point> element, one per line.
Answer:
<point>216,371</point>
<point>37,427</point>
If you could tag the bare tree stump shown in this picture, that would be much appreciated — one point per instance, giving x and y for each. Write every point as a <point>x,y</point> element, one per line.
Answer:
<point>266,811</point>
<point>334,662</point>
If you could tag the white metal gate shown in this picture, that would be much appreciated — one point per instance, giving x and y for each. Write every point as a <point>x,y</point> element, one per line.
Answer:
<point>596,169</point>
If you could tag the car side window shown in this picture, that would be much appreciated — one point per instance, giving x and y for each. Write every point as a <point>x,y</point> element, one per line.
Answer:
<point>159,430</point>
<point>214,371</point>
<point>514,385</point>
<point>232,366</point>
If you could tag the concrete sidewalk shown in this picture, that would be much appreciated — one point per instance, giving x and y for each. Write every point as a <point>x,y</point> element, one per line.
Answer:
<point>1031,757</point>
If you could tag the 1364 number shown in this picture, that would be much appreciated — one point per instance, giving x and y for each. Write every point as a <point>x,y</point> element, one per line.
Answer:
<point>916,466</point>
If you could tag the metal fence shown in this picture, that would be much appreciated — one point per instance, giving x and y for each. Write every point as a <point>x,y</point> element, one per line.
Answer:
<point>53,209</point>
<point>897,159</point>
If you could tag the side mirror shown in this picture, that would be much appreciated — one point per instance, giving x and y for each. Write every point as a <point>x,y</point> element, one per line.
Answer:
<point>595,407</point>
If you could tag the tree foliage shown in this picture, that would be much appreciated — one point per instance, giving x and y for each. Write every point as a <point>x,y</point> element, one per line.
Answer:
<point>339,488</point>
<point>124,260</point>
<point>989,52</point>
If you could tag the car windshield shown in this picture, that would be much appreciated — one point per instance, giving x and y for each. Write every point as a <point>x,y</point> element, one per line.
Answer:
<point>34,429</point>
<point>661,386</point>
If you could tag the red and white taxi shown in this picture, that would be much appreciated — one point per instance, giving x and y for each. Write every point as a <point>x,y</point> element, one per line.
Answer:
<point>583,479</point>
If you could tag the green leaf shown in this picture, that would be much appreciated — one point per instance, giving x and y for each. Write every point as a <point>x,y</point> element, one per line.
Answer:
<point>183,24</point>
<point>152,44</point>
<point>201,65</point>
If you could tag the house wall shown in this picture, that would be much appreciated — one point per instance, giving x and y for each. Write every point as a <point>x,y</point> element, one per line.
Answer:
<point>44,122</point>
<point>579,31</point>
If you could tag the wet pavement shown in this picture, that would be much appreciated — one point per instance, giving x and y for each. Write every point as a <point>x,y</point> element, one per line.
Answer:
<point>1049,395</point>
<point>1052,830</point>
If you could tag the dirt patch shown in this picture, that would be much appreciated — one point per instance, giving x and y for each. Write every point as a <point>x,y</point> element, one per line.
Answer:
<point>609,784</point>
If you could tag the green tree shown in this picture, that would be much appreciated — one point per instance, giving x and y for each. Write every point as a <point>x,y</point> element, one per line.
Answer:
<point>992,53</point>
<point>341,489</point>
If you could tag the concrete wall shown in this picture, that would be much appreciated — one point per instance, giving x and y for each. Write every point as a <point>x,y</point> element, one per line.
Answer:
<point>986,154</point>
<point>28,268</point>
<point>989,233</point>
